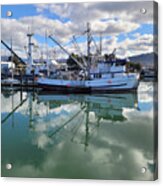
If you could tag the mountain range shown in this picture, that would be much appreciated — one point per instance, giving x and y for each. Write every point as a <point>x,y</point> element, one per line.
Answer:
<point>146,60</point>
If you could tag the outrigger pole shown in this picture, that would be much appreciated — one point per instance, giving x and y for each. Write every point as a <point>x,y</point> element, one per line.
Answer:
<point>11,50</point>
<point>12,112</point>
<point>100,43</point>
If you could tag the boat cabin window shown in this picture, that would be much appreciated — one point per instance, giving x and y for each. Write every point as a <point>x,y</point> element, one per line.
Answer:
<point>120,64</point>
<point>97,75</point>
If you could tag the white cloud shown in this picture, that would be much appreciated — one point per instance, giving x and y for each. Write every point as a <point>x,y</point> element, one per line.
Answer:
<point>109,18</point>
<point>141,44</point>
<point>113,27</point>
<point>15,30</point>
<point>39,25</point>
<point>128,47</point>
<point>123,10</point>
<point>41,7</point>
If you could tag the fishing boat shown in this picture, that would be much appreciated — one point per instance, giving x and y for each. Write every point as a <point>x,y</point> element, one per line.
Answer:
<point>111,81</point>
<point>95,75</point>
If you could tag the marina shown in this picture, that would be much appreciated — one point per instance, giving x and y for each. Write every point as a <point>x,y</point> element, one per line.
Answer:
<point>94,74</point>
<point>79,91</point>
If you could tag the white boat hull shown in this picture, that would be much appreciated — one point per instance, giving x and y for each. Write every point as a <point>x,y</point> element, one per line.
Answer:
<point>125,82</point>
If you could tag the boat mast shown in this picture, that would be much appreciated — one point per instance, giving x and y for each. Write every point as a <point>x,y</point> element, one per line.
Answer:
<point>47,52</point>
<point>89,38</point>
<point>86,128</point>
<point>30,58</point>
<point>46,43</point>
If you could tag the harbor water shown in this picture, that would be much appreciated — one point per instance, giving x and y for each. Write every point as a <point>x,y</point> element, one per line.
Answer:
<point>108,136</point>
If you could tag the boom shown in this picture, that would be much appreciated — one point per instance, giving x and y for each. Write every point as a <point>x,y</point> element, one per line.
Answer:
<point>81,66</point>
<point>11,50</point>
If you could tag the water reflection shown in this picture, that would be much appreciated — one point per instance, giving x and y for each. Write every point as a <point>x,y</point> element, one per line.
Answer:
<point>78,136</point>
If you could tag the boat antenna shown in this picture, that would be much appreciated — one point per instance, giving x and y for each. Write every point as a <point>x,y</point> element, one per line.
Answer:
<point>30,46</point>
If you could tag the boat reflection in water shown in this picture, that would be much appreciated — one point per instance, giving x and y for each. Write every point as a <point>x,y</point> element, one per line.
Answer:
<point>79,136</point>
<point>107,107</point>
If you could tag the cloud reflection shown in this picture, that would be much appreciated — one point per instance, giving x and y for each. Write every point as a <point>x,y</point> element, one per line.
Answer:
<point>91,145</point>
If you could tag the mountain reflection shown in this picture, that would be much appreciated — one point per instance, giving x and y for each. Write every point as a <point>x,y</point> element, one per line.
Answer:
<point>78,136</point>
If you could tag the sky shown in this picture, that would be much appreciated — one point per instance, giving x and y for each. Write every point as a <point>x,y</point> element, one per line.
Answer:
<point>123,26</point>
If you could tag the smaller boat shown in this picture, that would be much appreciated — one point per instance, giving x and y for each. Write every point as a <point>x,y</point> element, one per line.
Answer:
<point>10,84</point>
<point>149,74</point>
<point>10,81</point>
